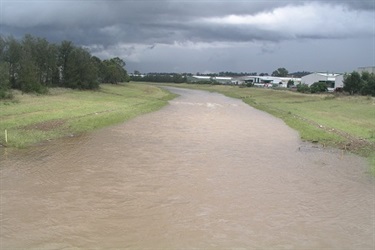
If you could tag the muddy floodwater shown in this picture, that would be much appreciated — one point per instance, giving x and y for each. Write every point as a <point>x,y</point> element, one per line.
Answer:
<point>206,171</point>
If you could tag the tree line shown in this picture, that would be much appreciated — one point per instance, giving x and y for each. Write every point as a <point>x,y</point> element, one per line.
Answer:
<point>280,72</point>
<point>283,72</point>
<point>33,64</point>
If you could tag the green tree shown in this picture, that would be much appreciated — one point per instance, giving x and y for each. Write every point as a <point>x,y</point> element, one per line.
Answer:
<point>81,71</point>
<point>64,51</point>
<point>114,71</point>
<point>4,71</point>
<point>178,78</point>
<point>368,87</point>
<point>121,67</point>
<point>2,47</point>
<point>34,64</point>
<point>53,71</point>
<point>280,72</point>
<point>4,81</point>
<point>27,78</point>
<point>28,71</point>
<point>353,83</point>
<point>12,57</point>
<point>45,56</point>
<point>100,68</point>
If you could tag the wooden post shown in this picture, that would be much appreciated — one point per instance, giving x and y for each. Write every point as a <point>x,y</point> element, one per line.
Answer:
<point>6,136</point>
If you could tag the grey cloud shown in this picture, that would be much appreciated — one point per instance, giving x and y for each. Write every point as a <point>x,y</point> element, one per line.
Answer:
<point>122,26</point>
<point>149,22</point>
<point>353,4</point>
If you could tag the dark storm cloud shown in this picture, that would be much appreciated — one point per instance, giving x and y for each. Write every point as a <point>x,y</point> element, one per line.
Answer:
<point>353,4</point>
<point>162,21</point>
<point>134,28</point>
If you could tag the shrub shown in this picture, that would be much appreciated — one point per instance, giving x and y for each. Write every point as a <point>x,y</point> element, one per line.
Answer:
<point>318,87</point>
<point>34,88</point>
<point>303,88</point>
<point>5,94</point>
<point>290,84</point>
<point>249,84</point>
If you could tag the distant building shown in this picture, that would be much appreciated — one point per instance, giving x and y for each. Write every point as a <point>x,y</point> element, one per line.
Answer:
<point>370,69</point>
<point>217,79</point>
<point>339,82</point>
<point>268,81</point>
<point>222,80</point>
<point>198,78</point>
<point>333,80</point>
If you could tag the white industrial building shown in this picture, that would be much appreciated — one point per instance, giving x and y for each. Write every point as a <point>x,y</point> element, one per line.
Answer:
<point>332,80</point>
<point>339,83</point>
<point>268,81</point>
<point>218,79</point>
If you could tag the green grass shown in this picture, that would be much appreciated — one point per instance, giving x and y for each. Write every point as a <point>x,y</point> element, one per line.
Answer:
<point>345,122</point>
<point>30,119</point>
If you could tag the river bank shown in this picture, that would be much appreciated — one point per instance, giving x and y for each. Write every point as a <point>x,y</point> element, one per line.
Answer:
<point>30,119</point>
<point>343,122</point>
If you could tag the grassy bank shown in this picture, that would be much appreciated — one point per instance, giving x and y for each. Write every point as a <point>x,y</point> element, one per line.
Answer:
<point>344,122</point>
<point>30,119</point>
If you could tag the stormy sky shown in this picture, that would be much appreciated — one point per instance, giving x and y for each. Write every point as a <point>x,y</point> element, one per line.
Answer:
<point>206,35</point>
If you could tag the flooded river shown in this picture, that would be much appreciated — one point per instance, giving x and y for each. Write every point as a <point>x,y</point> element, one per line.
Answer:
<point>206,171</point>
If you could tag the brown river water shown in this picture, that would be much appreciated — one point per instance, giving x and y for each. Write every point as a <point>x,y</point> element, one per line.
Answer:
<point>206,171</point>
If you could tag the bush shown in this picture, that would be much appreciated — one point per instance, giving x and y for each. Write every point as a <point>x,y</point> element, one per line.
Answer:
<point>34,88</point>
<point>249,84</point>
<point>210,82</point>
<point>318,87</point>
<point>303,88</point>
<point>5,94</point>
<point>290,84</point>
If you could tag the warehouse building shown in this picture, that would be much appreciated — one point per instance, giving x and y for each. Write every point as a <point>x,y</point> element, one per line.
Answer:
<point>268,81</point>
<point>213,79</point>
<point>333,80</point>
